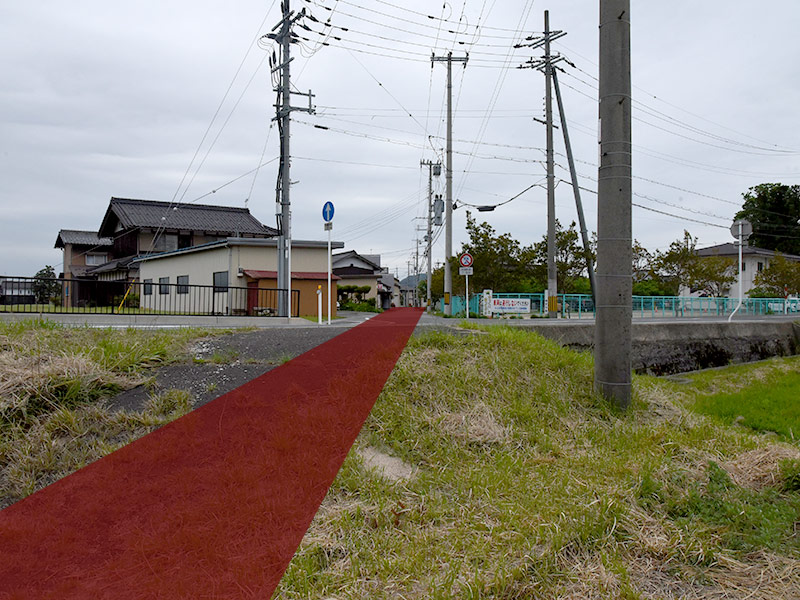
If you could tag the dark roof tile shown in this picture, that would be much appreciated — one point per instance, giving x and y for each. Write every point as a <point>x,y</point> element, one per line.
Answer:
<point>151,214</point>
<point>81,238</point>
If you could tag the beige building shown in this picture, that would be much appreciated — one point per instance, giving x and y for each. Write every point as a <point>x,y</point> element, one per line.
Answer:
<point>235,276</point>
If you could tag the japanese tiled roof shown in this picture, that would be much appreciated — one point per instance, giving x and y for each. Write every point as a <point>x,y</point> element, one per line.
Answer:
<point>151,214</point>
<point>81,238</point>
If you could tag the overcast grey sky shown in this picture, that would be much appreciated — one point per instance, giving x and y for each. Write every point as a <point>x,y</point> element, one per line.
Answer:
<point>102,99</point>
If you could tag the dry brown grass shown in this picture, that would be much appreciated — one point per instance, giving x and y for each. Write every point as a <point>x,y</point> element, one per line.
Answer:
<point>478,424</point>
<point>760,468</point>
<point>48,379</point>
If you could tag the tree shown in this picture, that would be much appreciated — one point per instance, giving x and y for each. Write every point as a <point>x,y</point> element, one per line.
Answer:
<point>45,287</point>
<point>673,268</point>
<point>642,267</point>
<point>780,277</point>
<point>571,275</point>
<point>680,267</point>
<point>774,211</point>
<point>496,258</point>
<point>713,275</point>
<point>643,270</point>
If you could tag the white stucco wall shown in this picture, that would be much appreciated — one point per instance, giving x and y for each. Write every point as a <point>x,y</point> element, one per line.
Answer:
<point>200,266</point>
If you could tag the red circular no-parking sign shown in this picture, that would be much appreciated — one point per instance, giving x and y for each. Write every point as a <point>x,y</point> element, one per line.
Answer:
<point>465,260</point>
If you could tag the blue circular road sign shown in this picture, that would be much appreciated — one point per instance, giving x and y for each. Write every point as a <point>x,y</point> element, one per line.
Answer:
<point>327,211</point>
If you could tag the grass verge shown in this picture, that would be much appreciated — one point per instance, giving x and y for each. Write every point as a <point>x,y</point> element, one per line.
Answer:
<point>53,381</point>
<point>527,485</point>
<point>771,403</point>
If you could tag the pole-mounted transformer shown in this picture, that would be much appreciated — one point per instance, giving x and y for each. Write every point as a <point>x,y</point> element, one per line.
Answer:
<point>438,209</point>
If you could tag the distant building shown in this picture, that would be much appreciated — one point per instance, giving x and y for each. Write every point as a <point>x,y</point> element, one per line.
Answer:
<point>365,270</point>
<point>236,263</point>
<point>409,290</point>
<point>83,251</point>
<point>132,228</point>
<point>754,260</point>
<point>16,291</point>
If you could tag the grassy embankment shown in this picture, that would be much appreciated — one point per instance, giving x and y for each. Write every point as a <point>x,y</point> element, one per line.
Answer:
<point>526,485</point>
<point>53,381</point>
<point>518,482</point>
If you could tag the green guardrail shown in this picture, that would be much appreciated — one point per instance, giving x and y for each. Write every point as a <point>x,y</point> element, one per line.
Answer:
<point>582,305</point>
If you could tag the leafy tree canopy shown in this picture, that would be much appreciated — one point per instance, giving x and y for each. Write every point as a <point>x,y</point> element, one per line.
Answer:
<point>781,277</point>
<point>46,287</point>
<point>680,266</point>
<point>774,211</point>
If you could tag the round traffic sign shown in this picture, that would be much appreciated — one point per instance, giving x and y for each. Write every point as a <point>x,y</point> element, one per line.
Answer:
<point>746,229</point>
<point>327,211</point>
<point>465,260</point>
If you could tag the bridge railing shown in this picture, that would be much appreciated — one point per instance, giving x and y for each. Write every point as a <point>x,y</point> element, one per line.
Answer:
<point>582,306</point>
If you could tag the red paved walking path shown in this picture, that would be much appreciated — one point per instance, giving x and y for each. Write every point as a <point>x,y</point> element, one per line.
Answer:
<point>214,504</point>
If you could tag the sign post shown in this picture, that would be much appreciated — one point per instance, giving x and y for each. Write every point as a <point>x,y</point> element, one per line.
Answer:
<point>741,230</point>
<point>465,269</point>
<point>327,215</point>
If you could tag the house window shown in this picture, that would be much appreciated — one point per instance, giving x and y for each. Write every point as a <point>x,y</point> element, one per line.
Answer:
<point>184,241</point>
<point>744,264</point>
<point>96,259</point>
<point>221,282</point>
<point>163,285</point>
<point>166,242</point>
<point>760,267</point>
<point>148,287</point>
<point>183,284</point>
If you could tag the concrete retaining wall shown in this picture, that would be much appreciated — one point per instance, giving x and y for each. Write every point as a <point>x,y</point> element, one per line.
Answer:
<point>678,347</point>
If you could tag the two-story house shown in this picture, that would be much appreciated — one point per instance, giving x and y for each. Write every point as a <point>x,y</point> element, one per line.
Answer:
<point>365,270</point>
<point>133,228</point>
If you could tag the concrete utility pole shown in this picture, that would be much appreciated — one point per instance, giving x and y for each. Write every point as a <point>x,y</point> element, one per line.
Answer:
<point>434,168</point>
<point>448,225</point>
<point>552,269</point>
<point>283,112</point>
<point>545,63</point>
<point>612,342</point>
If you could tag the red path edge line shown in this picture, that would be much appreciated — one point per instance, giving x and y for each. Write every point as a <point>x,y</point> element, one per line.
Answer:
<point>214,504</point>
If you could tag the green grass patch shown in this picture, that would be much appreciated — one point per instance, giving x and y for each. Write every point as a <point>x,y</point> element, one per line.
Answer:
<point>769,405</point>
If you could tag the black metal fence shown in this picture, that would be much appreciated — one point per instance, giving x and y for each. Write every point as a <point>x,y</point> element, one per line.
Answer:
<point>39,295</point>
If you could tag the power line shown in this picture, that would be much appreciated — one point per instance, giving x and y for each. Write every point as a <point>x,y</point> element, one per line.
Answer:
<point>653,112</point>
<point>423,25</point>
<point>675,106</point>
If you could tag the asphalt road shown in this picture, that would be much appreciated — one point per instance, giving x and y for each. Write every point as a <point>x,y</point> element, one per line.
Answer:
<point>220,364</point>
